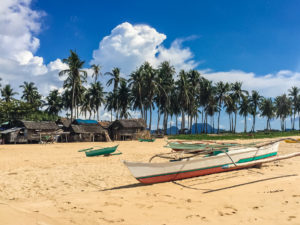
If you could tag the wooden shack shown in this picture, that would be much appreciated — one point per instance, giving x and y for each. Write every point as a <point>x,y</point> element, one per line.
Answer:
<point>64,123</point>
<point>29,131</point>
<point>88,132</point>
<point>130,129</point>
<point>105,124</point>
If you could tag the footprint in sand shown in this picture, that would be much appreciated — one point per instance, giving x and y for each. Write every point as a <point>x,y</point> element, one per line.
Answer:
<point>112,204</point>
<point>291,217</point>
<point>228,211</point>
<point>191,216</point>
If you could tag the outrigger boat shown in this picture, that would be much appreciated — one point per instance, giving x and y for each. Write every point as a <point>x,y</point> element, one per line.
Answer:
<point>181,167</point>
<point>199,146</point>
<point>94,151</point>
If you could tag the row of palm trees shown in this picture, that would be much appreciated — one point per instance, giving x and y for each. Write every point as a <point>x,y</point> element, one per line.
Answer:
<point>188,96</point>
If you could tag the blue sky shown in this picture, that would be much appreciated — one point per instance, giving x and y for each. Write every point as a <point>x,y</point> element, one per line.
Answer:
<point>253,36</point>
<point>255,42</point>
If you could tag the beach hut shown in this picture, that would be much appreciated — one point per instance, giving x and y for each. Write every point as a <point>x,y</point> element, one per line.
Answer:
<point>130,129</point>
<point>88,132</point>
<point>29,132</point>
<point>105,124</point>
<point>64,123</point>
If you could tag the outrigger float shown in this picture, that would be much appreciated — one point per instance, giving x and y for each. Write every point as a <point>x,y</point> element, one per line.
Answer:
<point>205,160</point>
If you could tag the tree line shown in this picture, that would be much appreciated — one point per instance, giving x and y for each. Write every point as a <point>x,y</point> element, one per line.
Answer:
<point>186,94</point>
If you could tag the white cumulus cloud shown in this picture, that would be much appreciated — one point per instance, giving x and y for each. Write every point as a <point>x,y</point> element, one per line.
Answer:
<point>269,85</point>
<point>18,45</point>
<point>128,46</point>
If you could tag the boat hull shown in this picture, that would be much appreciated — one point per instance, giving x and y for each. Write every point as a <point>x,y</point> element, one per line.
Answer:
<point>103,151</point>
<point>149,173</point>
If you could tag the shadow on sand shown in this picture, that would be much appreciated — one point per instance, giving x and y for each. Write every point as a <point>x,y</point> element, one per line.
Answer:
<point>251,182</point>
<point>128,186</point>
<point>136,185</point>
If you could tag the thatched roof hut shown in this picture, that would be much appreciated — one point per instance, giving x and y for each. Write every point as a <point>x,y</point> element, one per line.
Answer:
<point>105,124</point>
<point>29,131</point>
<point>129,129</point>
<point>40,126</point>
<point>64,123</point>
<point>88,132</point>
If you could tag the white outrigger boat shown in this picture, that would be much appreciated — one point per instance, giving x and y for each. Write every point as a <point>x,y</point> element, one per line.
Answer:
<point>227,159</point>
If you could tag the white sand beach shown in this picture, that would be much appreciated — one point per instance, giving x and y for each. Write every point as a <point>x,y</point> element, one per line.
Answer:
<point>55,184</point>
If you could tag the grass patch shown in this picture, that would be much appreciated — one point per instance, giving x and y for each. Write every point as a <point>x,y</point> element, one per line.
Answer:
<point>230,136</point>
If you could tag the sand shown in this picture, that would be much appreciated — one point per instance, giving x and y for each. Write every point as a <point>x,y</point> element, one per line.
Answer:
<point>56,185</point>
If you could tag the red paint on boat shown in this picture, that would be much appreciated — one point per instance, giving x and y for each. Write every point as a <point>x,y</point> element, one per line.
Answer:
<point>184,175</point>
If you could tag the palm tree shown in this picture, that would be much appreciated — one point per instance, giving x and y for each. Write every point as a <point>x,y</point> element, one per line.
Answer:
<point>75,76</point>
<point>182,85</point>
<point>267,110</point>
<point>231,107</point>
<point>298,109</point>
<point>222,90</point>
<point>293,93</point>
<point>97,96</point>
<point>125,96</point>
<point>137,86</point>
<point>175,107</point>
<point>31,94</point>
<point>211,108</point>
<point>283,109</point>
<point>7,93</point>
<point>237,93</point>
<point>254,103</point>
<point>116,79</point>
<point>150,82</point>
<point>194,80</point>
<point>244,110</point>
<point>67,100</point>
<point>165,84</point>
<point>111,103</point>
<point>207,91</point>
<point>54,102</point>
<point>86,104</point>
<point>96,71</point>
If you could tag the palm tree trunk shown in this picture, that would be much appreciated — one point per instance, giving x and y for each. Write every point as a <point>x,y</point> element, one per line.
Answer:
<point>196,122</point>
<point>191,123</point>
<point>150,121</point>
<point>158,117</point>
<point>171,125</point>
<point>182,120</point>
<point>254,117</point>
<point>73,97</point>
<point>202,121</point>
<point>165,121</point>
<point>232,124</point>
<point>235,116</point>
<point>176,123</point>
<point>219,121</point>
<point>213,122</point>
<point>206,123</point>
<point>110,115</point>
<point>245,124</point>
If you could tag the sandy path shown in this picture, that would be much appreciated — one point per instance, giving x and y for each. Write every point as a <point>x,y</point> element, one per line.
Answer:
<point>55,184</point>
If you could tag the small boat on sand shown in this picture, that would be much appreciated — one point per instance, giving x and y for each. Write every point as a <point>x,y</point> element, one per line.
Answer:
<point>293,141</point>
<point>195,165</point>
<point>146,140</point>
<point>100,151</point>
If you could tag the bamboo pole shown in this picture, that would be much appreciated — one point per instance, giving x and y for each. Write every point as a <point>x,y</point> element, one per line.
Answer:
<point>256,162</point>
